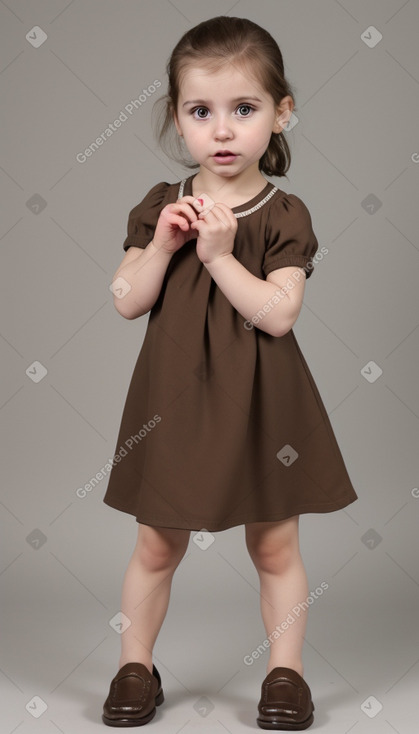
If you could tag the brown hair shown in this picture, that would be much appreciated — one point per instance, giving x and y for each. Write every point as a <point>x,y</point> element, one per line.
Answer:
<point>213,43</point>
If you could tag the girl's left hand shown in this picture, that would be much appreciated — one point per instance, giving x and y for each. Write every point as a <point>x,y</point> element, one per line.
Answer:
<point>216,230</point>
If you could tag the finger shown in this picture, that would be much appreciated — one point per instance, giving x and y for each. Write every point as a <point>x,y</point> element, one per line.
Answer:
<point>216,214</point>
<point>203,203</point>
<point>228,212</point>
<point>194,202</point>
<point>178,220</point>
<point>183,209</point>
<point>188,199</point>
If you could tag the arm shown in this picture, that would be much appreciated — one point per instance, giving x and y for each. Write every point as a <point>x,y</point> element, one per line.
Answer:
<point>249,294</point>
<point>143,270</point>
<point>275,302</point>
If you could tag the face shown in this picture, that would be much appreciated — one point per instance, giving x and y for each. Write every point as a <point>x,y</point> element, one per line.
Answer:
<point>226,112</point>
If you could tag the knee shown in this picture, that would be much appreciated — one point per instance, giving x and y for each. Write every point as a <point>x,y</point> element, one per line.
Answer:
<point>272,560</point>
<point>160,550</point>
<point>272,555</point>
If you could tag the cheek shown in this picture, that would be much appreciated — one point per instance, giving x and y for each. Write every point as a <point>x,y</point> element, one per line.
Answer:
<point>194,135</point>
<point>258,140</point>
<point>257,147</point>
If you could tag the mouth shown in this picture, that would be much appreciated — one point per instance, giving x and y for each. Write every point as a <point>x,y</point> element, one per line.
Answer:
<point>225,156</point>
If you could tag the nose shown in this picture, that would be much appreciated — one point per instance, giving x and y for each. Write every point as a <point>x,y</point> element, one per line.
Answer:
<point>223,129</point>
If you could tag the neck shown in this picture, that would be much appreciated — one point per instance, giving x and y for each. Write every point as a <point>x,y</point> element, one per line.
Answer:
<point>246,182</point>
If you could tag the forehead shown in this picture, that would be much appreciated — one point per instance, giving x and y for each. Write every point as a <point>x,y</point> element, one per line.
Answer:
<point>224,83</point>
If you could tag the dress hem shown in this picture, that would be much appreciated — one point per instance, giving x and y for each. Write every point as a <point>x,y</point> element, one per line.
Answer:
<point>314,508</point>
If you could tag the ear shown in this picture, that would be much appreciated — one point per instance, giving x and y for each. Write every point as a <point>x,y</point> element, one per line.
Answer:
<point>283,114</point>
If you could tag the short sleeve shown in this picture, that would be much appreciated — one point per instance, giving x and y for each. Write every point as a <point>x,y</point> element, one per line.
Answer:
<point>290,239</point>
<point>143,218</point>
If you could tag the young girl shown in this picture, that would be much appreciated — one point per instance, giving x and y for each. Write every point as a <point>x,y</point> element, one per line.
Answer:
<point>223,424</point>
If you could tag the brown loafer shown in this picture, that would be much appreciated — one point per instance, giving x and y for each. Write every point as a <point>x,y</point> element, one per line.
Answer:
<point>133,696</point>
<point>285,701</point>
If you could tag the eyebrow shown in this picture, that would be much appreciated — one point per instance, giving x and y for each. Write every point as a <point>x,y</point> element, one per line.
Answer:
<point>237,99</point>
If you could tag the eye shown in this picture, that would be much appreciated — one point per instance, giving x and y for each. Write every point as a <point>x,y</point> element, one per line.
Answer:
<point>200,113</point>
<point>246,110</point>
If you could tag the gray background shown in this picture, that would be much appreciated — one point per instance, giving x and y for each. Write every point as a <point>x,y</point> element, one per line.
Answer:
<point>63,557</point>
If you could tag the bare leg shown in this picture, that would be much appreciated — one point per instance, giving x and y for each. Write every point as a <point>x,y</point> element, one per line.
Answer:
<point>146,589</point>
<point>274,550</point>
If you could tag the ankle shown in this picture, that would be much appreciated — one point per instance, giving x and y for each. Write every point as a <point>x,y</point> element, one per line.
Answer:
<point>293,665</point>
<point>130,659</point>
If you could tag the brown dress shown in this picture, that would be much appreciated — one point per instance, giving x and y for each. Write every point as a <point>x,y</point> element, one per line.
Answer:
<point>223,424</point>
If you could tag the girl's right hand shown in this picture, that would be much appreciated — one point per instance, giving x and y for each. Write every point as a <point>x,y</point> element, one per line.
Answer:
<point>173,225</point>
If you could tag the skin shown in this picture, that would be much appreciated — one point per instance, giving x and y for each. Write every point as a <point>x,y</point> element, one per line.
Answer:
<point>273,546</point>
<point>226,118</point>
<point>236,114</point>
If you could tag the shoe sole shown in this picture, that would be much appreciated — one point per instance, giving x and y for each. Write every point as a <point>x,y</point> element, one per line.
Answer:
<point>273,723</point>
<point>135,722</point>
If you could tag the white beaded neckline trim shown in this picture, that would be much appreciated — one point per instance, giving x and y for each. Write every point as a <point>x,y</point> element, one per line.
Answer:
<point>237,214</point>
